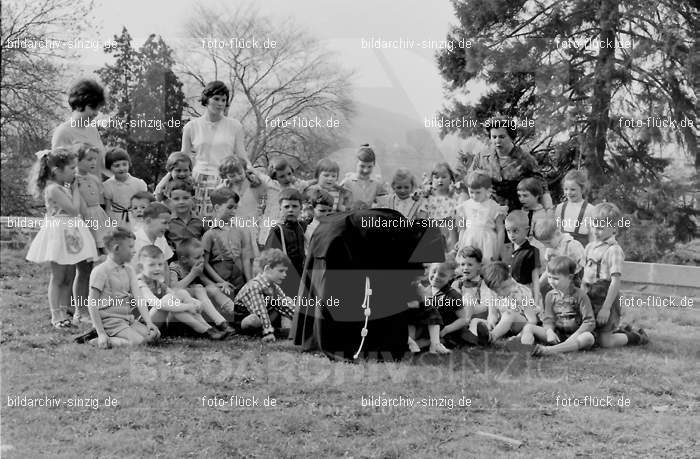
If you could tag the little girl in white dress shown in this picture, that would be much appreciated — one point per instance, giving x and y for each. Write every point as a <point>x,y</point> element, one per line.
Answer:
<point>480,219</point>
<point>64,239</point>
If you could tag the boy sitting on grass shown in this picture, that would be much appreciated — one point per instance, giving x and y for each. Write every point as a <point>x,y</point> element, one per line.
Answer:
<point>568,316</point>
<point>113,292</point>
<point>262,296</point>
<point>187,273</point>
<point>475,294</point>
<point>164,303</point>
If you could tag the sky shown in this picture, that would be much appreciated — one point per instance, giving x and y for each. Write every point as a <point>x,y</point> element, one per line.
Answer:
<point>396,88</point>
<point>340,26</point>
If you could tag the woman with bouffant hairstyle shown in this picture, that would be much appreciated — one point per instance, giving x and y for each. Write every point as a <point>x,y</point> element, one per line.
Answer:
<point>85,98</point>
<point>210,139</point>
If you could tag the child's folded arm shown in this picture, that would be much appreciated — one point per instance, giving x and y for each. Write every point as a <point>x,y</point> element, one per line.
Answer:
<point>169,302</point>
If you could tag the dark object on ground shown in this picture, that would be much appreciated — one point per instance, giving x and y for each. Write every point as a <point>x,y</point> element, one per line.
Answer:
<point>86,337</point>
<point>346,250</point>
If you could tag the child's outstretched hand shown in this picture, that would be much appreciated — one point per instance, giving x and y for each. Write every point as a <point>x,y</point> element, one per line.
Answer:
<point>603,316</point>
<point>552,337</point>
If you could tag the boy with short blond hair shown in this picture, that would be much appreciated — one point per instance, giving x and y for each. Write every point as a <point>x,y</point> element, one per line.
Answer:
<point>602,274</point>
<point>525,264</point>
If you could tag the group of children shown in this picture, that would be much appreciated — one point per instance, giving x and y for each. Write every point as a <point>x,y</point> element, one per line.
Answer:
<point>524,273</point>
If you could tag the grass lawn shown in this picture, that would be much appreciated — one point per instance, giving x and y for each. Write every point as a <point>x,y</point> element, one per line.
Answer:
<point>163,395</point>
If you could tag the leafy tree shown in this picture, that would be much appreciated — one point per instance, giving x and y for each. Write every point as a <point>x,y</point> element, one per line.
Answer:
<point>294,78</point>
<point>581,69</point>
<point>542,60</point>
<point>146,96</point>
<point>34,60</point>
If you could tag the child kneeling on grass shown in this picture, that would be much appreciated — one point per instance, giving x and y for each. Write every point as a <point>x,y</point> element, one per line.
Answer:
<point>568,316</point>
<point>263,295</point>
<point>113,291</point>
<point>166,304</point>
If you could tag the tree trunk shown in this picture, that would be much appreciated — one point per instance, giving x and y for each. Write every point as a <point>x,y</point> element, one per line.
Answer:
<point>598,121</point>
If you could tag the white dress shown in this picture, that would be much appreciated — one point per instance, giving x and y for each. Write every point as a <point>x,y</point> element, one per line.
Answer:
<point>477,226</point>
<point>62,239</point>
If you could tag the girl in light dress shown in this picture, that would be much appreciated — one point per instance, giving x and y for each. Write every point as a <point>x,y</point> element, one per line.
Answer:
<point>442,201</point>
<point>480,219</point>
<point>64,240</point>
<point>92,192</point>
<point>97,220</point>
<point>573,215</point>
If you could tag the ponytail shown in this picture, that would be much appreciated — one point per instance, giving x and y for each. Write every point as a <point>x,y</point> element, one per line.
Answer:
<point>42,171</point>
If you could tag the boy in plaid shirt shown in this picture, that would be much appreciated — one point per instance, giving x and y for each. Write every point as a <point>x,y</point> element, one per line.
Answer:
<point>263,295</point>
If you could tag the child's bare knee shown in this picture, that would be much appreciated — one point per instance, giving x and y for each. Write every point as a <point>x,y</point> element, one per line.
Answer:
<point>585,340</point>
